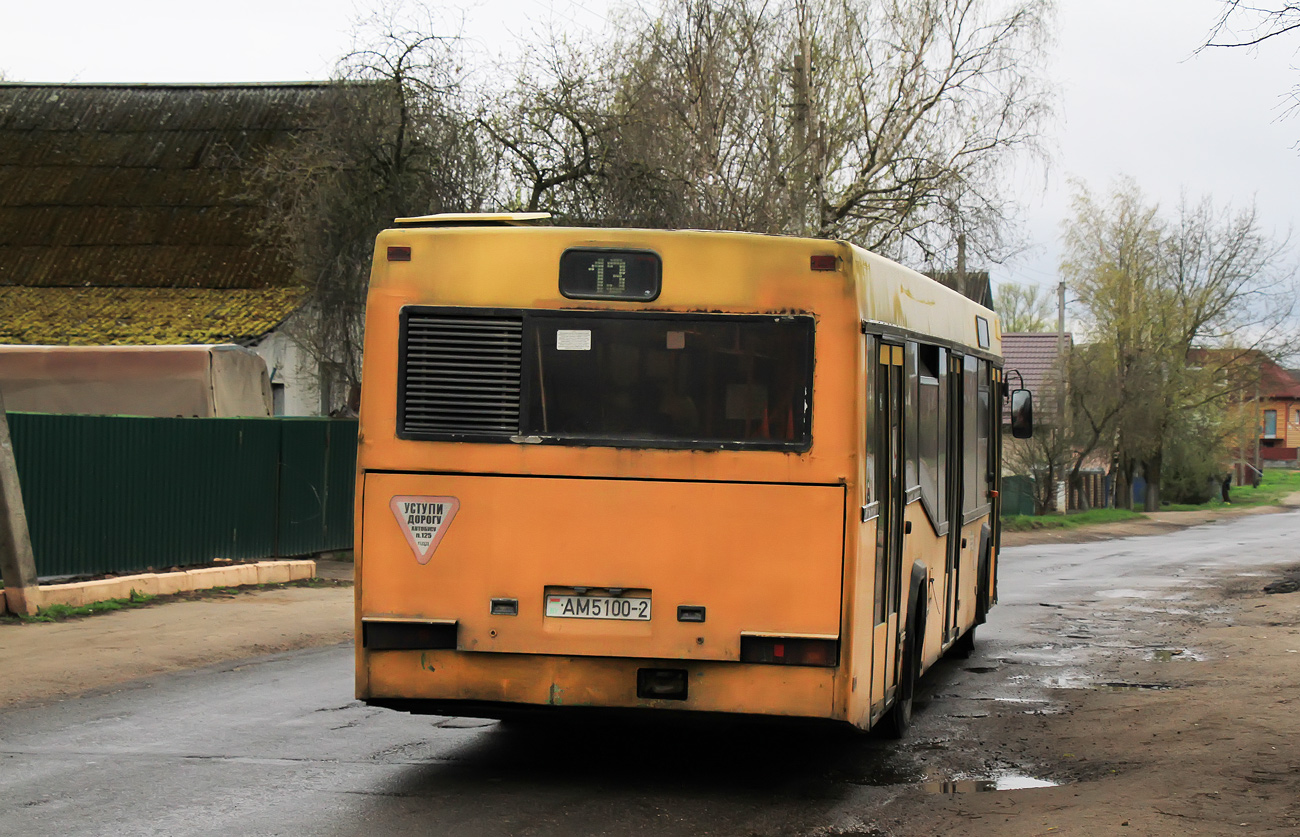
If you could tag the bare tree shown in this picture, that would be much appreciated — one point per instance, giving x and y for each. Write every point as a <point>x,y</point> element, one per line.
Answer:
<point>394,139</point>
<point>1245,25</point>
<point>1044,458</point>
<point>1248,24</point>
<point>552,126</point>
<point>1095,407</point>
<point>923,105</point>
<point>701,94</point>
<point>887,123</point>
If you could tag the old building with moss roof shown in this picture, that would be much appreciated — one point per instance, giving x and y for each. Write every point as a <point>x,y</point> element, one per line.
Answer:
<point>125,219</point>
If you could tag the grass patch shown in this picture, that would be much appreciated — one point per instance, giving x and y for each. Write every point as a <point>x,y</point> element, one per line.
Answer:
<point>1274,486</point>
<point>226,592</point>
<point>1027,523</point>
<point>60,612</point>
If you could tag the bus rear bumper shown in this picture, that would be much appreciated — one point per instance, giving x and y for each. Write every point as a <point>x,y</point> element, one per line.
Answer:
<point>494,685</point>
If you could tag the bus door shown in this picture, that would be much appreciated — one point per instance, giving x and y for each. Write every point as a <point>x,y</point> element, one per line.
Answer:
<point>996,389</point>
<point>889,525</point>
<point>956,444</point>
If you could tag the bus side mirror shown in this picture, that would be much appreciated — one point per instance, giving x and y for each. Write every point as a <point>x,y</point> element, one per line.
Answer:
<point>1022,414</point>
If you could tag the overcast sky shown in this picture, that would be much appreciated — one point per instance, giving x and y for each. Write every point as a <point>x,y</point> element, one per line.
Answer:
<point>1133,99</point>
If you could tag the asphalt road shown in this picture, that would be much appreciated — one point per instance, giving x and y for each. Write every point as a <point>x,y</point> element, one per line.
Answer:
<point>277,745</point>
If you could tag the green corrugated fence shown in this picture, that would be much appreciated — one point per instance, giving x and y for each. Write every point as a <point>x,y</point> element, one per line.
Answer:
<point>123,494</point>
<point>1017,495</point>
<point>318,469</point>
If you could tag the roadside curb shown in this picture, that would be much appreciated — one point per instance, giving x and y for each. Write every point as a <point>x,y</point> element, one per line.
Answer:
<point>79,593</point>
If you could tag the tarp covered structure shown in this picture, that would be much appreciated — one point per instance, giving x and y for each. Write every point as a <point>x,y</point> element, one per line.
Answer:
<point>164,381</point>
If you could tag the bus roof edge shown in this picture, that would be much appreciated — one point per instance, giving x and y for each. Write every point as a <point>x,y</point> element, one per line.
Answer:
<point>473,219</point>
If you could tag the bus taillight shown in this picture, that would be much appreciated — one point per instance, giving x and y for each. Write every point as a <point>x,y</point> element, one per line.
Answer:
<point>790,651</point>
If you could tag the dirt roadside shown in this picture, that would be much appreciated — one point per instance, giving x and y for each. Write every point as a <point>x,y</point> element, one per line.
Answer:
<point>1198,740</point>
<point>42,661</point>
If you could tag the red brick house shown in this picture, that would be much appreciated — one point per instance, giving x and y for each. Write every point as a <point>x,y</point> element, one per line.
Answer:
<point>1279,413</point>
<point>1267,405</point>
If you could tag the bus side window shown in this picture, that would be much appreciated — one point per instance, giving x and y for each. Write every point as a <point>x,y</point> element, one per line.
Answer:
<point>911,418</point>
<point>869,420</point>
<point>983,424</point>
<point>932,431</point>
<point>972,468</point>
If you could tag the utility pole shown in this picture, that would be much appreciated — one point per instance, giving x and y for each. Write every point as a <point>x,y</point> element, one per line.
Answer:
<point>803,130</point>
<point>17,564</point>
<point>1259,431</point>
<point>1060,354</point>
<point>1063,494</point>
<point>961,267</point>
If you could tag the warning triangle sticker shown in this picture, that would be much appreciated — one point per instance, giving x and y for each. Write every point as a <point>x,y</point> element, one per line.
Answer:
<point>424,520</point>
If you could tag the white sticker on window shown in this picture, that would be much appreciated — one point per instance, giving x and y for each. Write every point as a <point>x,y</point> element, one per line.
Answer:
<point>573,340</point>
<point>424,520</point>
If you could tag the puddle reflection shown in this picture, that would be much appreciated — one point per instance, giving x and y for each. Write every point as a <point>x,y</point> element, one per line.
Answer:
<point>1006,782</point>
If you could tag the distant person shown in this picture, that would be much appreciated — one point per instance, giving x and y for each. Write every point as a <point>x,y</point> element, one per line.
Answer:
<point>1227,486</point>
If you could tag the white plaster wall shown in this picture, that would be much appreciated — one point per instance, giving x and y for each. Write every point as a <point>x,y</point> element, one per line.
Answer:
<point>294,368</point>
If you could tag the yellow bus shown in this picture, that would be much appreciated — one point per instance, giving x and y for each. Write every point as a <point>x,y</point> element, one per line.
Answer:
<point>684,471</point>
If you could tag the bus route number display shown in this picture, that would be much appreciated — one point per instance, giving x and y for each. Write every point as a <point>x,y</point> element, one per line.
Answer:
<point>610,274</point>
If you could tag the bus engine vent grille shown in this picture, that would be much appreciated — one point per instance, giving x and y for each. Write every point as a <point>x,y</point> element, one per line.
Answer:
<point>460,375</point>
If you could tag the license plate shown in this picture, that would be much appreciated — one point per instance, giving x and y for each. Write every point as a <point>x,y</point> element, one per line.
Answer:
<point>598,607</point>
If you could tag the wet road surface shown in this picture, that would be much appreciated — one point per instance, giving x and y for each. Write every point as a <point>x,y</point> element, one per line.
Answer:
<point>277,745</point>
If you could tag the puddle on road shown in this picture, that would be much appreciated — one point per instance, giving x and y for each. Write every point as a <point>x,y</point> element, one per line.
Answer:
<point>1168,655</point>
<point>1171,611</point>
<point>1062,680</point>
<point>1079,680</point>
<point>1006,782</point>
<point>1133,687</point>
<point>1128,593</point>
<point>1078,653</point>
<point>887,775</point>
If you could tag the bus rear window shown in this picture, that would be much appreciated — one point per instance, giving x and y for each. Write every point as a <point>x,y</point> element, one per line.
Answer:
<point>633,380</point>
<point>670,381</point>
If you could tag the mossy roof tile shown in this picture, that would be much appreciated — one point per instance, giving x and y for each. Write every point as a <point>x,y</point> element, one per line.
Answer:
<point>141,316</point>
